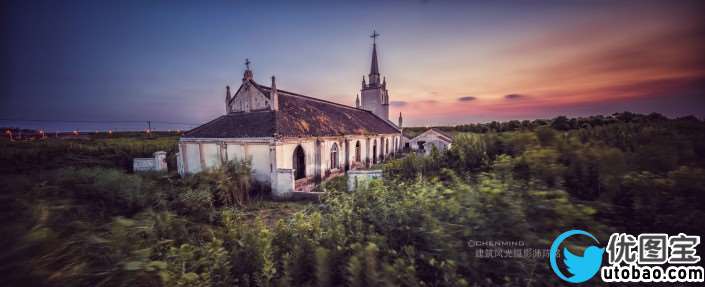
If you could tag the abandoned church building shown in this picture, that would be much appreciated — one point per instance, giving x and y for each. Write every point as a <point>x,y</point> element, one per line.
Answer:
<point>294,141</point>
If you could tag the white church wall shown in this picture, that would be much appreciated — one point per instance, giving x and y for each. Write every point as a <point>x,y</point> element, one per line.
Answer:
<point>283,183</point>
<point>376,154</point>
<point>363,150</point>
<point>235,151</point>
<point>285,154</point>
<point>212,152</point>
<point>211,155</point>
<point>192,160</point>
<point>328,144</point>
<point>259,154</point>
<point>367,147</point>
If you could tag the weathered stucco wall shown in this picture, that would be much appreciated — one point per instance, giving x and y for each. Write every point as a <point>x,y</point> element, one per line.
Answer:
<point>285,154</point>
<point>259,154</point>
<point>249,98</point>
<point>269,156</point>
<point>235,152</point>
<point>211,155</point>
<point>283,183</point>
<point>372,100</point>
<point>285,151</point>
<point>192,158</point>
<point>215,152</point>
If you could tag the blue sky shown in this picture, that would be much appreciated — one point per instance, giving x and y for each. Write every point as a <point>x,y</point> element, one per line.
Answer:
<point>171,60</point>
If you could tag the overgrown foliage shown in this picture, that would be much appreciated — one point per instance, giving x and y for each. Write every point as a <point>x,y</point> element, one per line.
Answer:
<point>102,226</point>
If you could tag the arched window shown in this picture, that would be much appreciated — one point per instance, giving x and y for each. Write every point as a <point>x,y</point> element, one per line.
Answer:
<point>299,162</point>
<point>386,146</point>
<point>374,151</point>
<point>358,152</point>
<point>334,156</point>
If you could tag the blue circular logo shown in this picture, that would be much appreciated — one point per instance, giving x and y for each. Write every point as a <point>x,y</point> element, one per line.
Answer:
<point>583,267</point>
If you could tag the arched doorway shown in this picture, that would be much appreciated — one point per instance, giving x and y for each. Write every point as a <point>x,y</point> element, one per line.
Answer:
<point>334,156</point>
<point>299,163</point>
<point>374,152</point>
<point>386,146</point>
<point>358,152</point>
<point>347,155</point>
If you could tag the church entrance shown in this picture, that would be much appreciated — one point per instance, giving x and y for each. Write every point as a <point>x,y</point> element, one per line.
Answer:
<point>347,155</point>
<point>358,152</point>
<point>299,162</point>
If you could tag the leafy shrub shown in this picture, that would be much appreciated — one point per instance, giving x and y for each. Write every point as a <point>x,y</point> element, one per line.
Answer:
<point>231,183</point>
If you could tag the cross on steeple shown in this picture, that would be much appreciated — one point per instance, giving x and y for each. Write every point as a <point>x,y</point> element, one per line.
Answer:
<point>248,73</point>
<point>374,36</point>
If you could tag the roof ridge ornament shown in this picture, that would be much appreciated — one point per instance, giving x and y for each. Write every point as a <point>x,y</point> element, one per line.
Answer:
<point>248,73</point>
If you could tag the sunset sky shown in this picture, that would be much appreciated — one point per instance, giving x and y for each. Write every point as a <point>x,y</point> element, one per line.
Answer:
<point>446,62</point>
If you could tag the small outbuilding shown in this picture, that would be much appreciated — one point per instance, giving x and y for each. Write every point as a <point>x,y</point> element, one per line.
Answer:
<point>433,137</point>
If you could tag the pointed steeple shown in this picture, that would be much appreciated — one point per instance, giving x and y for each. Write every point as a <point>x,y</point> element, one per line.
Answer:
<point>374,96</point>
<point>400,119</point>
<point>357,101</point>
<point>374,67</point>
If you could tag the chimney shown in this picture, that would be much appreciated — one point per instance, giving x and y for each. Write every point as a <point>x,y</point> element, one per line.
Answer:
<point>274,95</point>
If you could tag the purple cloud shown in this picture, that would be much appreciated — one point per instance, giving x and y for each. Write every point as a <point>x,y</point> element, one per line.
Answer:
<point>514,96</point>
<point>467,99</point>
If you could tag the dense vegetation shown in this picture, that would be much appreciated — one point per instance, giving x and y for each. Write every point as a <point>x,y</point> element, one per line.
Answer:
<point>102,226</point>
<point>116,151</point>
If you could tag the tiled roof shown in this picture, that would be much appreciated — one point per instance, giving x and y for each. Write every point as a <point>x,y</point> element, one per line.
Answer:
<point>298,116</point>
<point>236,125</point>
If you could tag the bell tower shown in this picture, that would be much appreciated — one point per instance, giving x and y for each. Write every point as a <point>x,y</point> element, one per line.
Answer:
<point>374,95</point>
